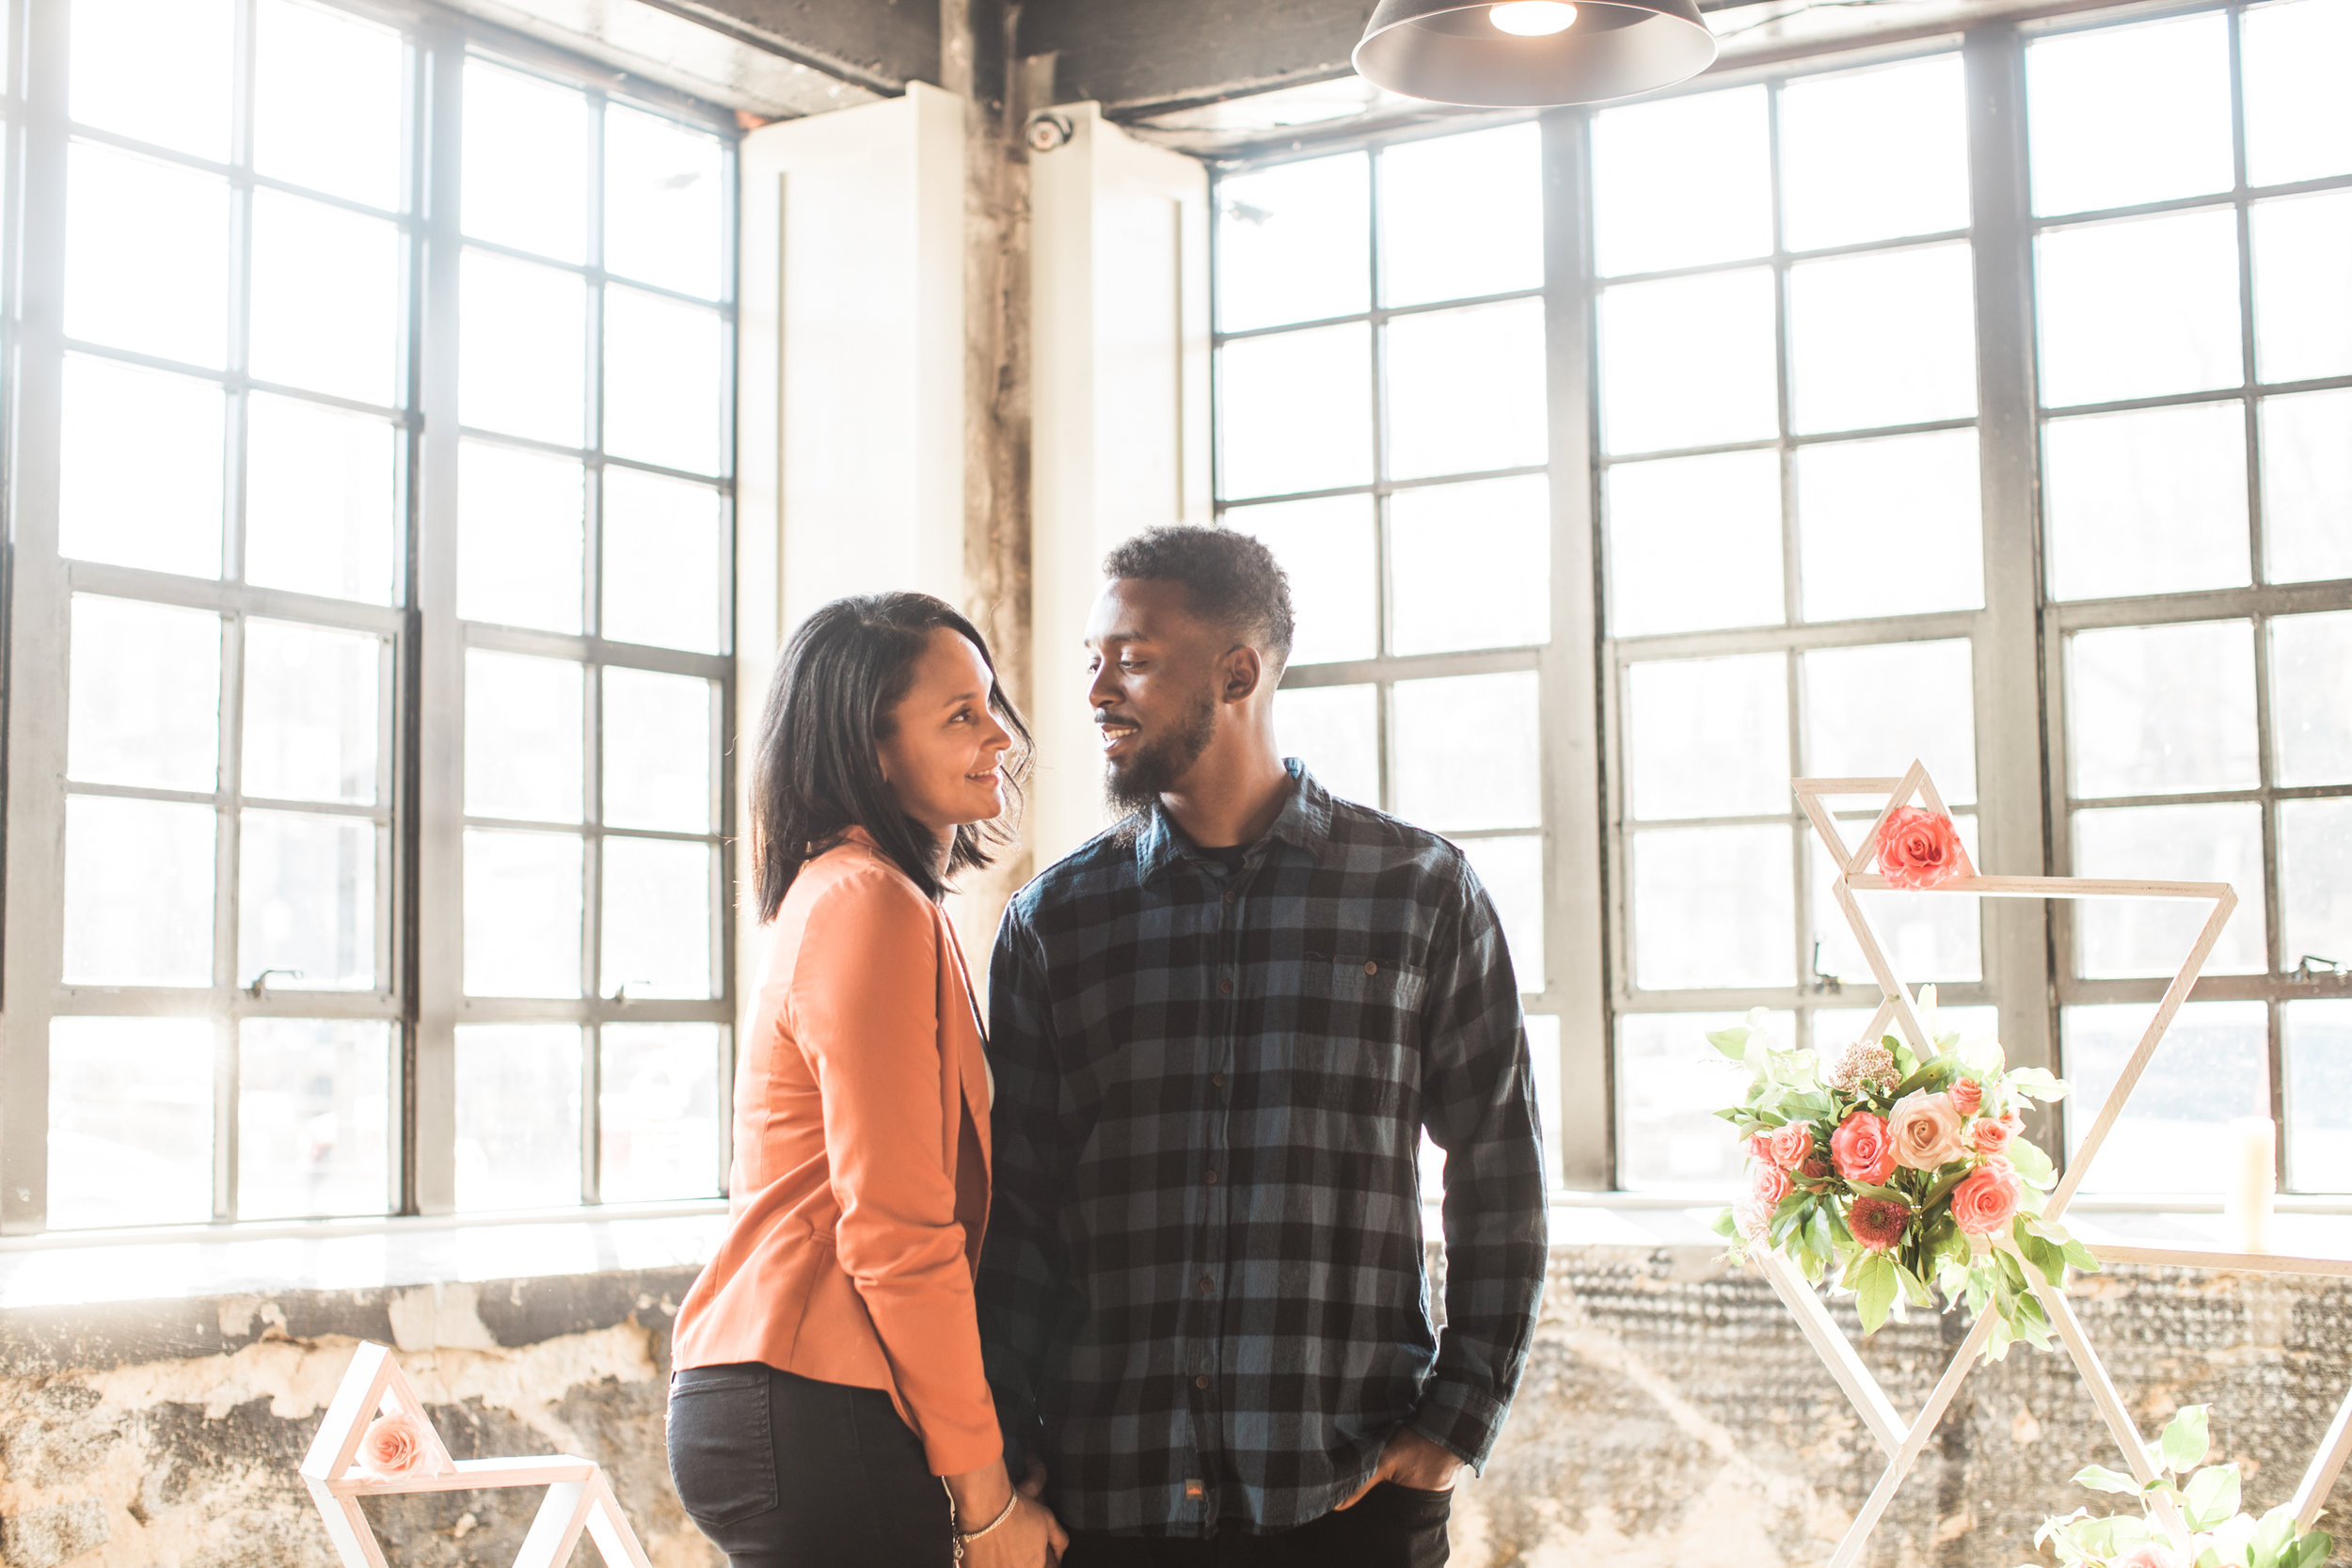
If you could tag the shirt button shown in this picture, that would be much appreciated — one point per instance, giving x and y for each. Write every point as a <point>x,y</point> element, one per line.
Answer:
<point>1231,894</point>
<point>1371,968</point>
<point>1207,1284</point>
<point>1225,988</point>
<point>1200,1382</point>
<point>1217,1078</point>
<point>1211,1179</point>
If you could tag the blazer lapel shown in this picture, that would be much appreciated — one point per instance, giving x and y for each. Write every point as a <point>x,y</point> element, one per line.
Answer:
<point>960,1032</point>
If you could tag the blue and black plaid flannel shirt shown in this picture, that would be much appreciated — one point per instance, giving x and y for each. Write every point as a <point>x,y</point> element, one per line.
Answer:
<point>1202,1292</point>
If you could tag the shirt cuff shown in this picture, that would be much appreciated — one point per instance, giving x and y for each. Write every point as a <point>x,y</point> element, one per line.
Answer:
<point>1461,1420</point>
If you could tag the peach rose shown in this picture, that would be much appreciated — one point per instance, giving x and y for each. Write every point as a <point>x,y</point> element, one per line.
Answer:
<point>1992,1135</point>
<point>1918,848</point>
<point>1986,1198</point>
<point>1769,1185</point>
<point>1787,1146</point>
<point>1863,1149</point>
<point>1876,1222</point>
<point>396,1444</point>
<point>1967,1097</point>
<point>2148,1554</point>
<point>1926,1130</point>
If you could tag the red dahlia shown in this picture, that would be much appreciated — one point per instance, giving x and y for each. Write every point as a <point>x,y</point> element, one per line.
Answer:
<point>1876,1223</point>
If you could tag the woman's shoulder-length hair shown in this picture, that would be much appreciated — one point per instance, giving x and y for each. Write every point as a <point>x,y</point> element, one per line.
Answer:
<point>818,772</point>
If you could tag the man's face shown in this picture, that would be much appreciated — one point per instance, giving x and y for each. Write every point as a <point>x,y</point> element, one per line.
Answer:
<point>1156,672</point>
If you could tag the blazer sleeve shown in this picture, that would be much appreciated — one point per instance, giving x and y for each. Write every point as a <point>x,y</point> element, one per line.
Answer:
<point>864,1002</point>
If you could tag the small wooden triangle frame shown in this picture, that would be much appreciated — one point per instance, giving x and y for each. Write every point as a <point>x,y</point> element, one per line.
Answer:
<point>578,1495</point>
<point>1904,1441</point>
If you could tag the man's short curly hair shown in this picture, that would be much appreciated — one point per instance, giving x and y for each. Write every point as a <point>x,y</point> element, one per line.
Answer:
<point>1230,579</point>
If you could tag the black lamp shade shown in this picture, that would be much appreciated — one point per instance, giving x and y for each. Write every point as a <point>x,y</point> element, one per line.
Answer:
<point>1450,53</point>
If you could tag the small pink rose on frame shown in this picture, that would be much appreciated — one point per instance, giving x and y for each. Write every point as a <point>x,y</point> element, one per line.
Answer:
<point>1967,1097</point>
<point>1788,1146</point>
<point>1768,1186</point>
<point>396,1446</point>
<point>1918,848</point>
<point>2149,1554</point>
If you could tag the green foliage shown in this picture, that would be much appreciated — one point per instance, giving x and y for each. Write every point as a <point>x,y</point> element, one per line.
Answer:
<point>2206,1497</point>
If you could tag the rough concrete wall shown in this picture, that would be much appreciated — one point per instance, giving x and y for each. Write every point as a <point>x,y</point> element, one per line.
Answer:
<point>1671,1416</point>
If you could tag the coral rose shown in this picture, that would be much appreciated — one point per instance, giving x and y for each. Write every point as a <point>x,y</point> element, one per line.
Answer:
<point>1876,1223</point>
<point>1787,1146</point>
<point>1759,1144</point>
<point>1926,1130</point>
<point>1918,848</point>
<point>1992,1135</point>
<point>396,1444</point>
<point>1967,1097</point>
<point>1864,1149</point>
<point>1987,1198</point>
<point>1769,1185</point>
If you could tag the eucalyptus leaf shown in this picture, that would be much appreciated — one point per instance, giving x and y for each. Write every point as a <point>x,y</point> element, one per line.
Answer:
<point>2033,1164</point>
<point>2211,1496</point>
<point>2098,1477</point>
<point>2185,1440</point>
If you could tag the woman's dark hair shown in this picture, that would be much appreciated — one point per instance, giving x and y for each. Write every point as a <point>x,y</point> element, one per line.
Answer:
<point>818,772</point>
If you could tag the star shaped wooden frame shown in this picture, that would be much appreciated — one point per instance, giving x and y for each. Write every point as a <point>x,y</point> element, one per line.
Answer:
<point>578,1495</point>
<point>1903,1441</point>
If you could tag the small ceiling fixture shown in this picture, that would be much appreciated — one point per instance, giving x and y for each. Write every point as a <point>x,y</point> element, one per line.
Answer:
<point>1526,54</point>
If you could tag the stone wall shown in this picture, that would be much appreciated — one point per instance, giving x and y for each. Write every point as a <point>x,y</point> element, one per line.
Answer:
<point>1671,1416</point>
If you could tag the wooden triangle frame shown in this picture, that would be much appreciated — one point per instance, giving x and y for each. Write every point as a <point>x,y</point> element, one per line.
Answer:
<point>578,1495</point>
<point>1903,1441</point>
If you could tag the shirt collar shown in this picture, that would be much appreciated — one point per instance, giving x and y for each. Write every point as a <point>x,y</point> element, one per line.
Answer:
<point>1304,823</point>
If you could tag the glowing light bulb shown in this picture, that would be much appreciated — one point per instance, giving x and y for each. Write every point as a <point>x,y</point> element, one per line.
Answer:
<point>1532,18</point>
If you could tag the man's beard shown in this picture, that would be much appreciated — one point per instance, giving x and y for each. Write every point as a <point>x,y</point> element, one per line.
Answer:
<point>1133,784</point>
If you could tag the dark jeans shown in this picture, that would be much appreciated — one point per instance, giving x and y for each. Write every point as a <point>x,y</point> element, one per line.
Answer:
<point>787,1472</point>
<point>1394,1526</point>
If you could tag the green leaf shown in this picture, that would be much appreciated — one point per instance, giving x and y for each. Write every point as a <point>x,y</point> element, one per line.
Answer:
<point>2033,1164</point>
<point>1874,1289</point>
<point>2098,1477</point>
<point>2274,1535</point>
<point>1915,1289</point>
<point>2211,1496</point>
<point>2312,1549</point>
<point>1732,1042</point>
<point>2035,1084</point>
<point>2185,1440</point>
<point>2082,1257</point>
<point>1929,1070</point>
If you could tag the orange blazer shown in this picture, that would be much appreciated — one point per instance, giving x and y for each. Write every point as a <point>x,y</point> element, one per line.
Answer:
<point>859,1182</point>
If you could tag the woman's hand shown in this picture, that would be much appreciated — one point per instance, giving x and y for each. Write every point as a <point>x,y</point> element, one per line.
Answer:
<point>1031,1538</point>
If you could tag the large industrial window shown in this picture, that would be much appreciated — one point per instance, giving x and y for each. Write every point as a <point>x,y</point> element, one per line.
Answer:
<point>369,601</point>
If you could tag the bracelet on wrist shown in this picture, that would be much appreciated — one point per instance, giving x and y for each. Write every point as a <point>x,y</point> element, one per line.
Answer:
<point>966,1538</point>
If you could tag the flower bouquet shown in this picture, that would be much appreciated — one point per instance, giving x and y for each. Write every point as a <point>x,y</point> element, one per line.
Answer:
<point>1897,1175</point>
<point>2188,1515</point>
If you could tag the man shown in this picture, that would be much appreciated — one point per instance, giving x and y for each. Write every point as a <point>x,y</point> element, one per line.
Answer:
<point>1219,1030</point>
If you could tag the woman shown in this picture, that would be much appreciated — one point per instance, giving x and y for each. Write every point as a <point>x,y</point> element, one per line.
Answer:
<point>828,1360</point>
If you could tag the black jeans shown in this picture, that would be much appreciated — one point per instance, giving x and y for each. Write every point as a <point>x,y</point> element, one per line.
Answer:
<point>1394,1526</point>
<point>787,1472</point>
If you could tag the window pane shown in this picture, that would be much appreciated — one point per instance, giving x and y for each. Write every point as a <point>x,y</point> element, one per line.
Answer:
<point>327,106</point>
<point>306,900</point>
<point>1856,564</point>
<point>157,69</point>
<point>2311,698</point>
<point>310,712</point>
<point>526,150</point>
<point>2118,937</point>
<point>1925,939</point>
<point>2319,1095</point>
<point>517,1116</point>
<point>1466,389</point>
<point>658,912</point>
<point>1874,154</point>
<point>1670,1084</point>
<point>520,349</point>
<point>320,487</point>
<point>326,301</point>
<point>1708,737</point>
<point>1325,548</point>
<point>1472,565</point>
<point>2315,881</point>
<point>523,737</point>
<point>662,385</point>
<point>162,512</point>
<point>2306,486</point>
<point>1868,711</point>
<point>1335,730</point>
<point>1667,517</point>
<point>1513,872</point>
<point>2120,116</point>
<point>657,750</point>
<point>2209,1069</point>
<point>658,1112</point>
<point>1882,338</point>
<point>1712,906</point>
<point>2146,502</point>
<point>1465,752</point>
<point>1294,242</point>
<point>1296,412</point>
<point>2162,710</point>
<point>146,256</point>
<point>130,1122</point>
<point>144,703</point>
<point>139,893</point>
<point>665,203</point>
<point>1834,1026</point>
<point>521,537</point>
<point>1681,183</point>
<point>2294,125</point>
<point>1653,334</point>
<point>2139,309</point>
<point>2302,310</point>
<point>313,1118</point>
<point>664,580</point>
<point>523,913</point>
<point>1462,215</point>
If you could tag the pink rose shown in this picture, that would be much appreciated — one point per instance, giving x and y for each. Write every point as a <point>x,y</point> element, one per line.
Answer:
<point>1967,1097</point>
<point>1986,1198</point>
<point>1876,1222</point>
<point>1863,1149</point>
<point>1750,1217</point>
<point>1759,1144</point>
<point>2148,1554</point>
<point>1926,1130</point>
<point>396,1444</point>
<point>1918,848</point>
<point>1769,1185</point>
<point>1993,1136</point>
<point>1787,1146</point>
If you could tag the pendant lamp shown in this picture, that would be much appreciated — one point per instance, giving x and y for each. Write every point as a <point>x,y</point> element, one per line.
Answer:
<point>1525,54</point>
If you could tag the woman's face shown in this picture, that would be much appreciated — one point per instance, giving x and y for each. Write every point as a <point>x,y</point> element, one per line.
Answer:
<point>942,757</point>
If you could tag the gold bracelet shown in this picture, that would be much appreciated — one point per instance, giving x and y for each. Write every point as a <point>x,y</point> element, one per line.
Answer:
<point>961,1539</point>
